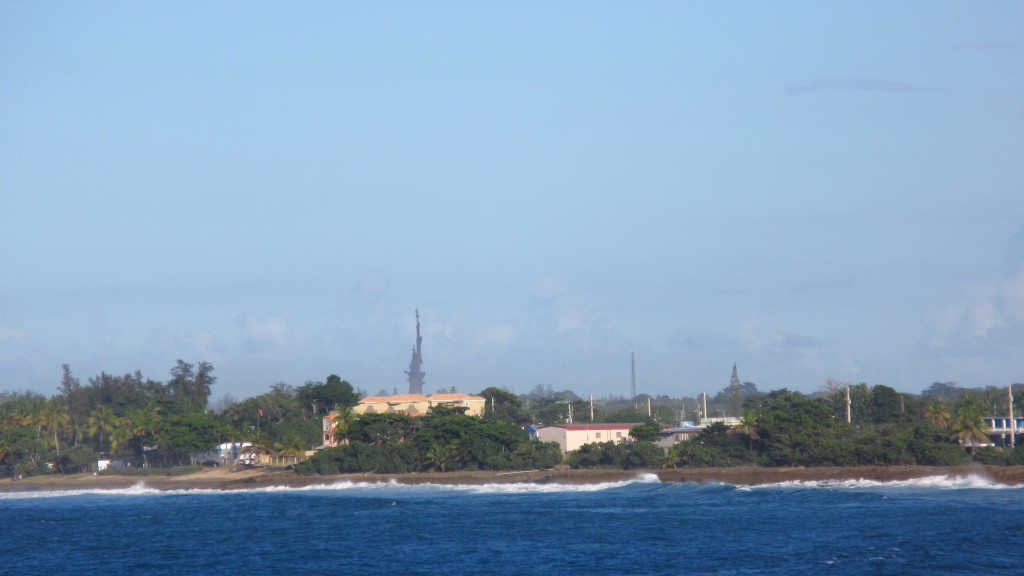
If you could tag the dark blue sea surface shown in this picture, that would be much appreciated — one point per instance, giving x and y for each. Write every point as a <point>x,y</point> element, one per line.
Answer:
<point>930,526</point>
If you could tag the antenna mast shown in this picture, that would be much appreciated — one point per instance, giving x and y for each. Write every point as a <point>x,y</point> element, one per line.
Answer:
<point>632,373</point>
<point>415,371</point>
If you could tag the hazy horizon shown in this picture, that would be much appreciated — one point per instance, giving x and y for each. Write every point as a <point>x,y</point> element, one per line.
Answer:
<point>807,191</point>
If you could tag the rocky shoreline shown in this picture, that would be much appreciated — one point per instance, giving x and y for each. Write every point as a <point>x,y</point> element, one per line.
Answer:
<point>225,479</point>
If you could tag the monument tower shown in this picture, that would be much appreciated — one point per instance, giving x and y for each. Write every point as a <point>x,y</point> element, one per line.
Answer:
<point>415,373</point>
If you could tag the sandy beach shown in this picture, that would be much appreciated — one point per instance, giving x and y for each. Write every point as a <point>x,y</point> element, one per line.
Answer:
<point>227,479</point>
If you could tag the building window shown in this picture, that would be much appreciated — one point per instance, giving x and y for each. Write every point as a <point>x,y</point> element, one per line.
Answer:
<point>597,435</point>
<point>618,434</point>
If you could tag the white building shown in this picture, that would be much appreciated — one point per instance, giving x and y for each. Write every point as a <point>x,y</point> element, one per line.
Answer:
<point>571,436</point>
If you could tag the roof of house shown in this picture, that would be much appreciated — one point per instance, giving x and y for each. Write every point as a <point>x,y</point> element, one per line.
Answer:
<point>462,397</point>
<point>421,398</point>
<point>396,398</point>
<point>595,426</point>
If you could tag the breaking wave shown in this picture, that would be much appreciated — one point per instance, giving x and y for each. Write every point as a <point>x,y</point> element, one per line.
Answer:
<point>641,482</point>
<point>348,486</point>
<point>970,481</point>
<point>139,489</point>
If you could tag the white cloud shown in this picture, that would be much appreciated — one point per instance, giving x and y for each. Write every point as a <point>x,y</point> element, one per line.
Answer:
<point>801,355</point>
<point>7,333</point>
<point>271,330</point>
<point>548,286</point>
<point>202,342</point>
<point>500,334</point>
<point>987,310</point>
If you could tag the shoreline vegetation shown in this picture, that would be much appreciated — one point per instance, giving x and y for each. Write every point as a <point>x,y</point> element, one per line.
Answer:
<point>227,479</point>
<point>160,434</point>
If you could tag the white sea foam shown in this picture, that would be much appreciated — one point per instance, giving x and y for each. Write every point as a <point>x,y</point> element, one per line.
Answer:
<point>491,488</point>
<point>931,482</point>
<point>138,489</point>
<point>363,487</point>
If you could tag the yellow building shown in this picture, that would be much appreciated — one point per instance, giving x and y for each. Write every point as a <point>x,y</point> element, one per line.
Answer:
<point>407,404</point>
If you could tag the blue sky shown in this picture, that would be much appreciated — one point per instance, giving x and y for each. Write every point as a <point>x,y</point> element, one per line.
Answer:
<point>809,191</point>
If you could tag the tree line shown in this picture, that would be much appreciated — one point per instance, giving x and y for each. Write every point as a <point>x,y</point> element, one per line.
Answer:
<point>158,424</point>
<point>144,422</point>
<point>785,428</point>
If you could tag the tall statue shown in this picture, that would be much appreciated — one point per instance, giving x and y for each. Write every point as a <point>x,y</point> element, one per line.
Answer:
<point>415,373</point>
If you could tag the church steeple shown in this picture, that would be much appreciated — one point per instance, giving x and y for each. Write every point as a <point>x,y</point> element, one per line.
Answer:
<point>414,372</point>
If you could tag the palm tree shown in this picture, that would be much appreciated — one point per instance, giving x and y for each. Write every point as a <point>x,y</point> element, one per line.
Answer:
<point>341,423</point>
<point>969,428</point>
<point>78,428</point>
<point>54,417</point>
<point>443,456</point>
<point>10,420</point>
<point>32,415</point>
<point>121,433</point>
<point>260,445</point>
<point>749,427</point>
<point>101,419</point>
<point>143,423</point>
<point>291,446</point>
<point>938,414</point>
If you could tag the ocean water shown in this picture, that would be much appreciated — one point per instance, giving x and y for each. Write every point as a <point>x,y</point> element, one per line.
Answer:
<point>930,526</point>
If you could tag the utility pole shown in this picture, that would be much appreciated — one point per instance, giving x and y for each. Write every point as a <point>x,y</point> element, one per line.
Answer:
<point>1013,423</point>
<point>847,404</point>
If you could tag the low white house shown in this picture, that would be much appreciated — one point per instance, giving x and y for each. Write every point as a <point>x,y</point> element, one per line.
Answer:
<point>669,437</point>
<point>571,436</point>
<point>225,454</point>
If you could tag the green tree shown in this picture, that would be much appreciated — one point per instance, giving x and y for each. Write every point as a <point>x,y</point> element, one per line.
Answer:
<point>713,447</point>
<point>643,455</point>
<point>291,446</point>
<point>629,414</point>
<point>645,432</point>
<point>886,405</point>
<point>341,423</point>
<point>749,428</point>
<point>969,428</point>
<point>70,392</point>
<point>443,457</point>
<point>190,385</point>
<point>121,434</point>
<point>55,418</point>
<point>598,455</point>
<point>76,459</point>
<point>797,430</point>
<point>734,393</point>
<point>504,406</point>
<point>322,397</point>
<point>184,435</point>
<point>551,411</point>
<point>380,428</point>
<point>481,443</point>
<point>938,414</point>
<point>101,420</point>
